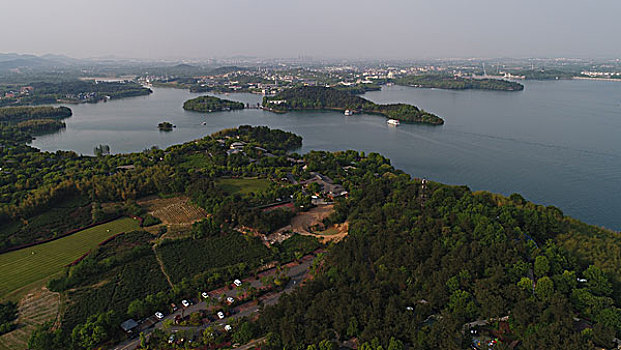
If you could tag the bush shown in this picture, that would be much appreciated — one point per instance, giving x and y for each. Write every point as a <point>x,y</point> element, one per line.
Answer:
<point>150,220</point>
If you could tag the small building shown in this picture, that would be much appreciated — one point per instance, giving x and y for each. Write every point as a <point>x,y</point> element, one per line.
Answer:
<point>129,325</point>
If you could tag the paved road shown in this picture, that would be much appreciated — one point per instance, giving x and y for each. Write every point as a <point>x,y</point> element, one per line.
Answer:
<point>297,272</point>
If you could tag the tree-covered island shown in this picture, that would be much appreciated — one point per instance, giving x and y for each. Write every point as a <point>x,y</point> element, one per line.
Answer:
<point>208,104</point>
<point>323,98</point>
<point>458,83</point>
<point>165,126</point>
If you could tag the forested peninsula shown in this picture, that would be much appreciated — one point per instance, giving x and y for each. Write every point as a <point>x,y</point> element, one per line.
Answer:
<point>34,119</point>
<point>458,83</point>
<point>323,98</point>
<point>75,91</point>
<point>208,104</point>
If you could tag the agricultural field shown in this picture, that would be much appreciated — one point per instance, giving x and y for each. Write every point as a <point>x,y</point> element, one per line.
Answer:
<point>174,210</point>
<point>36,308</point>
<point>26,266</point>
<point>133,280</point>
<point>243,186</point>
<point>186,258</point>
<point>64,216</point>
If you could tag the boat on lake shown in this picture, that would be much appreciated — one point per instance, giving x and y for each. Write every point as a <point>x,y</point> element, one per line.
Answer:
<point>393,122</point>
<point>348,112</point>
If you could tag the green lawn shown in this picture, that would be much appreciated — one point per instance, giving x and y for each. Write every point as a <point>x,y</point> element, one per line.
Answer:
<point>243,186</point>
<point>26,266</point>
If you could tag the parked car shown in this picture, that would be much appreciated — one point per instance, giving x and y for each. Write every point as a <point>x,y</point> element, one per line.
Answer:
<point>185,303</point>
<point>237,282</point>
<point>159,315</point>
<point>205,295</point>
<point>230,300</point>
<point>228,328</point>
<point>220,314</point>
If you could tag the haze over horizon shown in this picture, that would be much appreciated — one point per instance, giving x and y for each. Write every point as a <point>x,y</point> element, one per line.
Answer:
<point>396,29</point>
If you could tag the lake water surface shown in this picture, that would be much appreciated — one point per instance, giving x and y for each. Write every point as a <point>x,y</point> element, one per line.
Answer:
<point>556,143</point>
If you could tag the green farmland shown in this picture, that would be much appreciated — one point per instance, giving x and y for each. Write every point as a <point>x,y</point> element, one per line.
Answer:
<point>243,186</point>
<point>26,266</point>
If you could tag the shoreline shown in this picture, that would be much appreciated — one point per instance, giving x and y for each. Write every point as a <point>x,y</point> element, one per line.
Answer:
<point>597,79</point>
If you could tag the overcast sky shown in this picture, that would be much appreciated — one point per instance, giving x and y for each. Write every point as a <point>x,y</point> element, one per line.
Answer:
<point>315,28</point>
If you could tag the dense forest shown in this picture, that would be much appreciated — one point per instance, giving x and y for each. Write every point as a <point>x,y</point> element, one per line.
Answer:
<point>207,104</point>
<point>322,98</point>
<point>458,83</point>
<point>16,114</point>
<point>423,261</point>
<point>75,91</point>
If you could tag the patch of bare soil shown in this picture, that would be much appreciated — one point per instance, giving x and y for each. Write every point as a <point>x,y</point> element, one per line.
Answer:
<point>310,223</point>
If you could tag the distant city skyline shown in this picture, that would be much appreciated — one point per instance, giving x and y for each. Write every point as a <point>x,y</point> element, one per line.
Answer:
<point>363,29</point>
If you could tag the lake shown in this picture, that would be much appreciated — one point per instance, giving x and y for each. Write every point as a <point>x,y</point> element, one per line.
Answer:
<point>556,142</point>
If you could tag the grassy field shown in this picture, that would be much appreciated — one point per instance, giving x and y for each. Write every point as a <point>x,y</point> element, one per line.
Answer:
<point>243,186</point>
<point>29,265</point>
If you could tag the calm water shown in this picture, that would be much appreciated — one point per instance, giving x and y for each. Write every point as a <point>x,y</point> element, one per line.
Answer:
<point>555,143</point>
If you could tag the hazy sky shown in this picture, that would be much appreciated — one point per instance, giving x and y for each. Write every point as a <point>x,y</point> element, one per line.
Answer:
<point>317,28</point>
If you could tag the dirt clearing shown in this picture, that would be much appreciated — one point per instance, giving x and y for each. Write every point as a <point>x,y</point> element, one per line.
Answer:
<point>310,223</point>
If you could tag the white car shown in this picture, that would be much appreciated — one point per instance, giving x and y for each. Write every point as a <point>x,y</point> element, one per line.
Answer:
<point>230,300</point>
<point>205,295</point>
<point>185,303</point>
<point>220,314</point>
<point>237,283</point>
<point>228,328</point>
<point>159,315</point>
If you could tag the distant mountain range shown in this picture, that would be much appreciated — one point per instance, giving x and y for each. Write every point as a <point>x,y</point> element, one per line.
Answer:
<point>25,63</point>
<point>11,61</point>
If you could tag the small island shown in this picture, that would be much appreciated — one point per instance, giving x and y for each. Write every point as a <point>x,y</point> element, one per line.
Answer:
<point>458,83</point>
<point>323,98</point>
<point>208,104</point>
<point>165,126</point>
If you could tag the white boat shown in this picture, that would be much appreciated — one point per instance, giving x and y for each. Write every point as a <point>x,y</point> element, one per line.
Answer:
<point>348,112</point>
<point>393,122</point>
